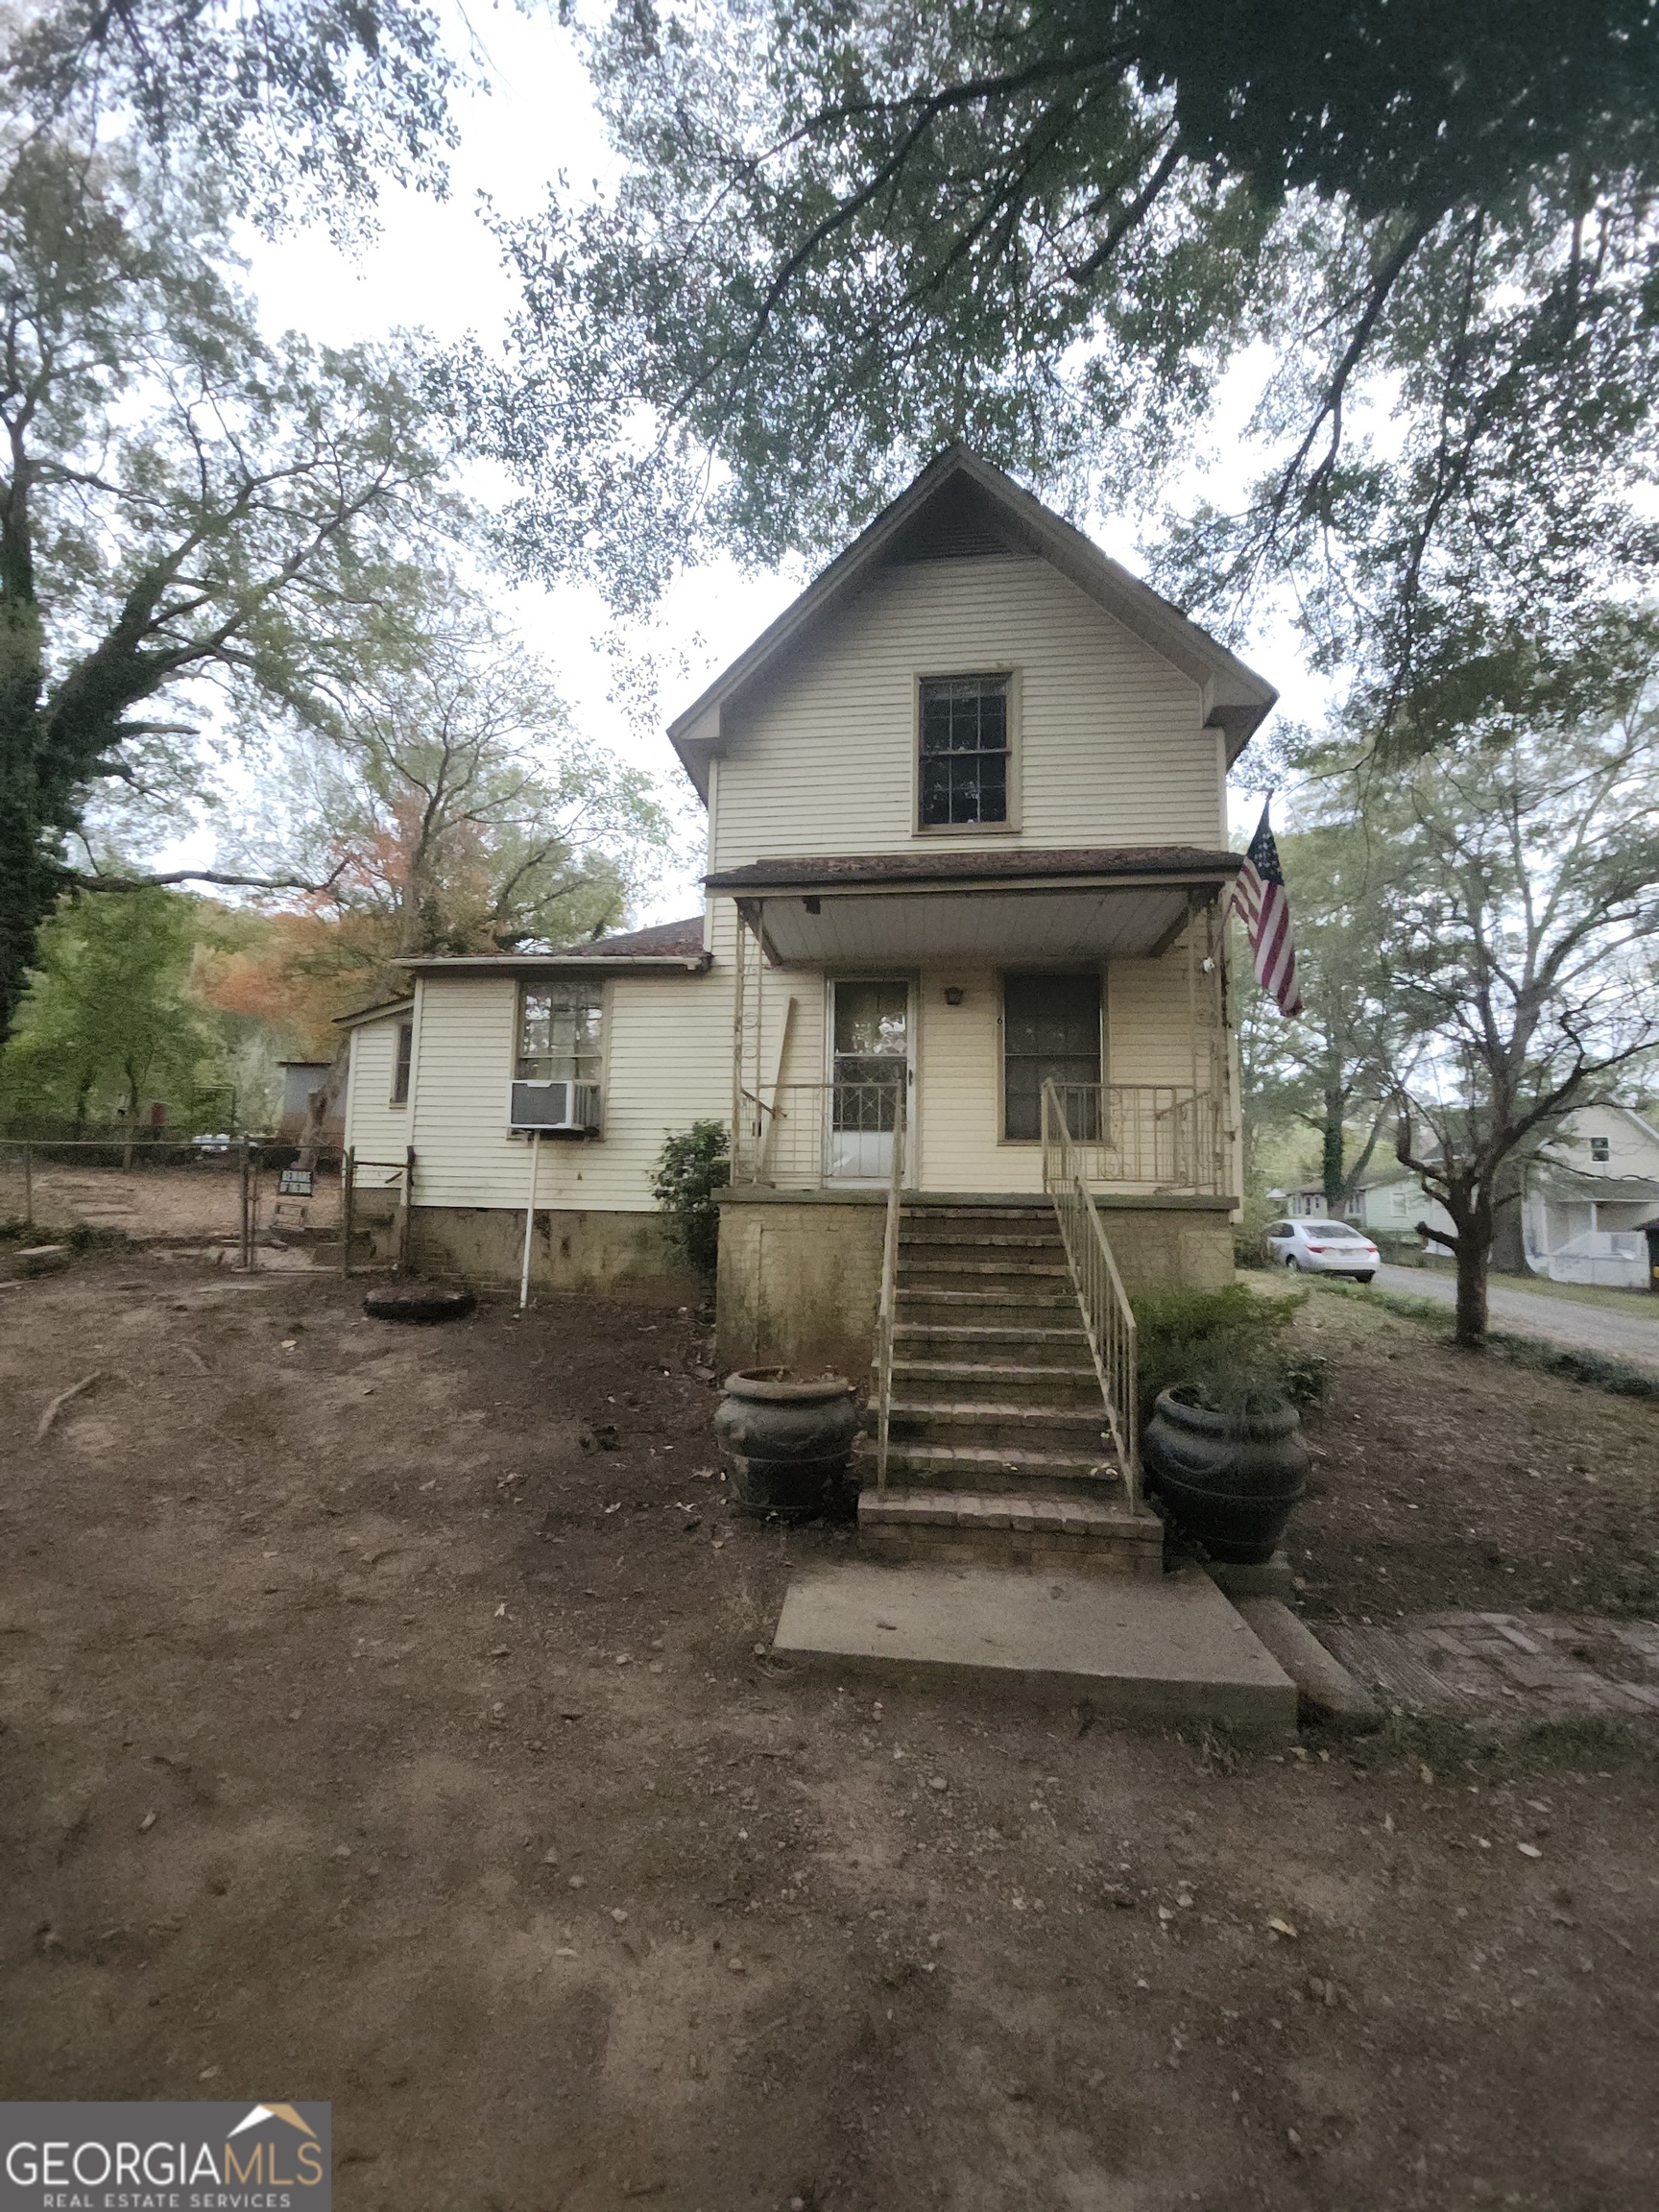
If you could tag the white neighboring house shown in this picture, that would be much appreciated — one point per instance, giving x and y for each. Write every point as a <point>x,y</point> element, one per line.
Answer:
<point>967,833</point>
<point>1589,1197</point>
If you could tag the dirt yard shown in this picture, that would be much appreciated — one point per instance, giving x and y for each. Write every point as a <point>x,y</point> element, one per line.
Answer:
<point>383,1721</point>
<point>181,1200</point>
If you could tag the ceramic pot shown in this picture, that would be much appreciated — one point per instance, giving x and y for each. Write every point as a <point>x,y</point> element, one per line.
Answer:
<point>1229,1480</point>
<point>788,1440</point>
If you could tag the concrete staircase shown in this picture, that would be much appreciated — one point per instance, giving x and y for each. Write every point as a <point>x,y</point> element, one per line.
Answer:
<point>998,1444</point>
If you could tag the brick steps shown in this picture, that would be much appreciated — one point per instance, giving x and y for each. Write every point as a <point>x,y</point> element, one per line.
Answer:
<point>968,1527</point>
<point>998,1444</point>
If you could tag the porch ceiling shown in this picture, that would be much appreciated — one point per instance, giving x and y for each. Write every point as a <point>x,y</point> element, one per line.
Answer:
<point>986,926</point>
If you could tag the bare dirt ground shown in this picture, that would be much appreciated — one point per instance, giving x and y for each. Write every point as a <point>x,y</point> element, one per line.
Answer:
<point>374,1732</point>
<point>195,1200</point>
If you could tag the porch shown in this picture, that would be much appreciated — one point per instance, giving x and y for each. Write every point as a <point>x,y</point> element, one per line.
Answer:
<point>939,992</point>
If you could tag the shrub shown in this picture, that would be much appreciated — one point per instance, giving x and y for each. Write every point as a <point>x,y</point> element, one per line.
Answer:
<point>691,1168</point>
<point>1227,1342</point>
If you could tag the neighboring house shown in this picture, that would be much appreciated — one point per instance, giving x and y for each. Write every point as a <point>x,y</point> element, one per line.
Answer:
<point>967,833</point>
<point>1588,1196</point>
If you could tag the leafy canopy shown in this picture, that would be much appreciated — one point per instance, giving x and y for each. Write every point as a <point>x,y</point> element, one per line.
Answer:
<point>844,234</point>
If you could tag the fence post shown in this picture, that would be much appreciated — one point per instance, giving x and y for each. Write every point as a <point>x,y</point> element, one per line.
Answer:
<point>347,1195</point>
<point>28,1185</point>
<point>407,1212</point>
<point>247,1246</point>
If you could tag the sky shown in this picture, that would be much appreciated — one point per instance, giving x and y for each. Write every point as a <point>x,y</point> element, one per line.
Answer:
<point>434,266</point>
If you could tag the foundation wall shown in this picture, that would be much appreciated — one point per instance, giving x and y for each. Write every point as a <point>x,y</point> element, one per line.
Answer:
<point>800,1282</point>
<point>618,1255</point>
<point>800,1275</point>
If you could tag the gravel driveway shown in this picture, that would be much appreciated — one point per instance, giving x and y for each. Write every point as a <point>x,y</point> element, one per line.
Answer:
<point>1537,1313</point>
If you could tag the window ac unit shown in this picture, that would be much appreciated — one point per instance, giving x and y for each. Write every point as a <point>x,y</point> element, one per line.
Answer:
<point>563,1108</point>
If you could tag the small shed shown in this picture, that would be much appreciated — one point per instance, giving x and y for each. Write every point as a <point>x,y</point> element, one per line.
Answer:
<point>301,1079</point>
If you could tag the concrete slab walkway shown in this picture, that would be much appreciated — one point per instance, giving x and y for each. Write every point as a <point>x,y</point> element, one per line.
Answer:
<point>1166,1650</point>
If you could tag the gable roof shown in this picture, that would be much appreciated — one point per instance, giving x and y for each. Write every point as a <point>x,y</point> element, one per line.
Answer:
<point>962,505</point>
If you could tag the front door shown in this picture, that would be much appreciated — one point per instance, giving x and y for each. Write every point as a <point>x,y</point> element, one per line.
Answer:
<point>869,1071</point>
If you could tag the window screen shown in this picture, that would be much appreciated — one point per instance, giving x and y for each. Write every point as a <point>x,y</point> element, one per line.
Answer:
<point>964,750</point>
<point>559,1033</point>
<point>1051,1027</point>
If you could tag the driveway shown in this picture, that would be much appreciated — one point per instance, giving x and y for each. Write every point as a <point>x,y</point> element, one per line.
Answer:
<point>1537,1313</point>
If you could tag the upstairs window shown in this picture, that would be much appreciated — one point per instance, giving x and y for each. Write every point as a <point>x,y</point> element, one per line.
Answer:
<point>401,1066</point>
<point>964,751</point>
<point>1602,1149</point>
<point>561,1033</point>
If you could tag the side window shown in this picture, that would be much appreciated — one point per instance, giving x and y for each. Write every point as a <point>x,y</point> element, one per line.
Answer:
<point>561,1033</point>
<point>400,1067</point>
<point>965,750</point>
<point>1601,1148</point>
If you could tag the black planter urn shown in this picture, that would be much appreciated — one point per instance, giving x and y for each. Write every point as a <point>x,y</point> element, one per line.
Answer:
<point>789,1440</point>
<point>1228,1481</point>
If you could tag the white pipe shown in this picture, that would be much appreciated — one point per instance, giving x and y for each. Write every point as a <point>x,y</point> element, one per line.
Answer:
<point>529,1221</point>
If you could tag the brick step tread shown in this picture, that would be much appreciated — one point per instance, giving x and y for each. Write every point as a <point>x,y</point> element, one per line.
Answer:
<point>1011,1240</point>
<point>1041,1207</point>
<point>929,1294</point>
<point>967,1411</point>
<point>983,1333</point>
<point>1022,1269</point>
<point>1096,1517</point>
<point>991,1372</point>
<point>1015,1458</point>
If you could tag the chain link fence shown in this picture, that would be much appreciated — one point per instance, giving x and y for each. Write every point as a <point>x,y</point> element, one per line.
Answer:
<point>226,1197</point>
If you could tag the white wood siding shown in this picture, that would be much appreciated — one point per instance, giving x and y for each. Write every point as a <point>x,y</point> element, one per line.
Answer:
<point>1112,747</point>
<point>667,1063</point>
<point>376,1130</point>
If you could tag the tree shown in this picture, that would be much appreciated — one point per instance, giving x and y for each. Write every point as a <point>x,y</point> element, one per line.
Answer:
<point>1518,890</point>
<point>436,784</point>
<point>296,104</point>
<point>843,236</point>
<point>108,1018</point>
<point>1325,1068</point>
<point>182,504</point>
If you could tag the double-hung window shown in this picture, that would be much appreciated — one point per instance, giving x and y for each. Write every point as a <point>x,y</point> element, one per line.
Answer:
<point>401,1065</point>
<point>561,1033</point>
<point>1050,1031</point>
<point>965,752</point>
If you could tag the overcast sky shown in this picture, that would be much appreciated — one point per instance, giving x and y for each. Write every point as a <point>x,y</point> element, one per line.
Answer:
<point>434,266</point>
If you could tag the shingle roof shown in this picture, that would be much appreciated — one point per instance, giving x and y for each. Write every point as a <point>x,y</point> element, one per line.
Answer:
<point>663,939</point>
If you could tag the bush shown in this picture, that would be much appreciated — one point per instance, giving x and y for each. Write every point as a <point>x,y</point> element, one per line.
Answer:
<point>1224,1341</point>
<point>691,1168</point>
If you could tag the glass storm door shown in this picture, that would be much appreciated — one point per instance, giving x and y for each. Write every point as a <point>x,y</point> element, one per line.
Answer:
<point>870,1067</point>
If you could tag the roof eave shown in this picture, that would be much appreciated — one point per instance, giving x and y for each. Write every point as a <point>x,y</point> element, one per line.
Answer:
<point>551,963</point>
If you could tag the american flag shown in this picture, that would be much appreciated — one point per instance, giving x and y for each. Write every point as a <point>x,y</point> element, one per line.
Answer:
<point>1261,897</point>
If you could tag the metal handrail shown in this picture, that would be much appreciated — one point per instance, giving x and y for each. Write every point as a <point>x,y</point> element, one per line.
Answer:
<point>1108,1320</point>
<point>889,1299</point>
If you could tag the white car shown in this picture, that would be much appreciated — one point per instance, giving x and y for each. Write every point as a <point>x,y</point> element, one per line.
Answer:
<point>1323,1248</point>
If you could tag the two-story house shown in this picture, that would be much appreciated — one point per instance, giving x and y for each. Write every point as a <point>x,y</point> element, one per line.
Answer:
<point>966,844</point>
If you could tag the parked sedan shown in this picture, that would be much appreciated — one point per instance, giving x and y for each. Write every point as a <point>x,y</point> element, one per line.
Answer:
<point>1323,1248</point>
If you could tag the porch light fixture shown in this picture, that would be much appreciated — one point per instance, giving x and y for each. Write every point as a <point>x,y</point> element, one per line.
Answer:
<point>954,994</point>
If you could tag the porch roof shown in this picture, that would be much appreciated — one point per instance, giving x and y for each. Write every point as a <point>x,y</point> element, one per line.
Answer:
<point>1120,902</point>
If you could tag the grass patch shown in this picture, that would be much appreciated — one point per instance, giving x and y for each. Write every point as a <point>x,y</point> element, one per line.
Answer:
<point>1574,1742</point>
<point>81,1238</point>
